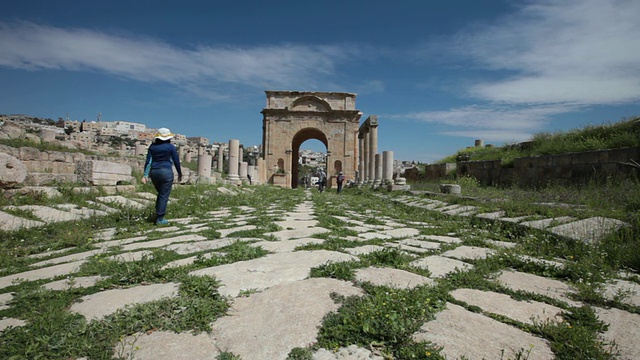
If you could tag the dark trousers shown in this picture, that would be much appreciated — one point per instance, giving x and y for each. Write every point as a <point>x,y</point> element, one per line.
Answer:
<point>339,187</point>
<point>162,180</point>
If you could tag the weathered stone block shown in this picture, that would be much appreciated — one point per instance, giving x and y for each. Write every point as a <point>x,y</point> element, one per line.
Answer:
<point>96,172</point>
<point>29,153</point>
<point>12,171</point>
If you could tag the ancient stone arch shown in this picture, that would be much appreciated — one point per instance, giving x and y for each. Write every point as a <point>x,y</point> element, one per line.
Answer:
<point>293,117</point>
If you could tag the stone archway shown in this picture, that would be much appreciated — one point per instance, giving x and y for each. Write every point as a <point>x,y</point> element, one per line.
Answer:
<point>292,117</point>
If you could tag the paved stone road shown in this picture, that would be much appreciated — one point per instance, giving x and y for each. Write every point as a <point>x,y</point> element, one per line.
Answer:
<point>285,306</point>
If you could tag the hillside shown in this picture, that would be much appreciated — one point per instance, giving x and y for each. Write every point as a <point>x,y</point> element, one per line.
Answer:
<point>625,133</point>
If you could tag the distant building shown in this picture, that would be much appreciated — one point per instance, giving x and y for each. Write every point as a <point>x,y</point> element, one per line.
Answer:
<point>197,141</point>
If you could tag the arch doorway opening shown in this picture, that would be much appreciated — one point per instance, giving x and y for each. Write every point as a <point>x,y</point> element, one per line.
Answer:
<point>315,140</point>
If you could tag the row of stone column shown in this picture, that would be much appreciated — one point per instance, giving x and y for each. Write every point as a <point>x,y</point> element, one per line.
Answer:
<point>373,168</point>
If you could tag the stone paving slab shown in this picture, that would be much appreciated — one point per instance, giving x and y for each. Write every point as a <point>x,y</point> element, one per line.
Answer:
<point>545,223</point>
<point>629,291</point>
<point>189,260</point>
<point>374,235</point>
<point>297,233</point>
<point>99,305</point>
<point>10,222</point>
<point>270,270</point>
<point>122,201</point>
<point>514,220</point>
<point>162,242</point>
<point>131,256</point>
<point>502,244</point>
<point>401,233</point>
<point>5,300</point>
<point>492,215</point>
<point>554,289</point>
<point>81,212</point>
<point>47,214</point>
<point>430,245</point>
<point>441,238</point>
<point>11,322</point>
<point>440,266</point>
<point>226,232</point>
<point>286,245</point>
<point>474,336</point>
<point>269,324</point>
<point>395,278</point>
<point>42,273</point>
<point>527,312</point>
<point>366,249</point>
<point>624,329</point>
<point>407,248</point>
<point>549,263</point>
<point>351,352</point>
<point>193,247</point>
<point>588,230</point>
<point>67,258</point>
<point>469,252</point>
<point>160,345</point>
<point>73,283</point>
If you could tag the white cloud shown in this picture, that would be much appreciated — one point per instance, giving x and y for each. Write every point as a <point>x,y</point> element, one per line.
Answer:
<point>577,51</point>
<point>502,124</point>
<point>202,70</point>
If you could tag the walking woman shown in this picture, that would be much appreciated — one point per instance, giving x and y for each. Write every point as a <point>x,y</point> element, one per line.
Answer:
<point>161,158</point>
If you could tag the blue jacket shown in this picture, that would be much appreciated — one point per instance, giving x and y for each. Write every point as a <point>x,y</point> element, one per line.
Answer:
<point>162,155</point>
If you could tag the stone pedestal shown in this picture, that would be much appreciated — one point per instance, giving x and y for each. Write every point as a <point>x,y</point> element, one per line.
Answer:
<point>141,150</point>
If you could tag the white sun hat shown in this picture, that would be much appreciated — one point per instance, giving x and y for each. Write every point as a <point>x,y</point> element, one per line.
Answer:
<point>164,134</point>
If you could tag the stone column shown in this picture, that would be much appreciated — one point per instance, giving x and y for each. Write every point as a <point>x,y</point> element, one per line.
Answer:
<point>141,149</point>
<point>251,171</point>
<point>187,156</point>
<point>360,159</point>
<point>204,165</point>
<point>261,169</point>
<point>181,152</point>
<point>244,167</point>
<point>220,158</point>
<point>378,173</point>
<point>387,167</point>
<point>234,146</point>
<point>365,155</point>
<point>373,149</point>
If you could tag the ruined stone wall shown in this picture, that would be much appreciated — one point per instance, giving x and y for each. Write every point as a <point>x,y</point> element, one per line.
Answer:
<point>531,171</point>
<point>50,167</point>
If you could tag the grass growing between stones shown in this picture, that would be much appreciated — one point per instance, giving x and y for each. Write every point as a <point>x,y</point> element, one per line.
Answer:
<point>383,318</point>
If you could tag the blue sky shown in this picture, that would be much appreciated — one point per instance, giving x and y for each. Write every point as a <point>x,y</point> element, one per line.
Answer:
<point>438,74</point>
